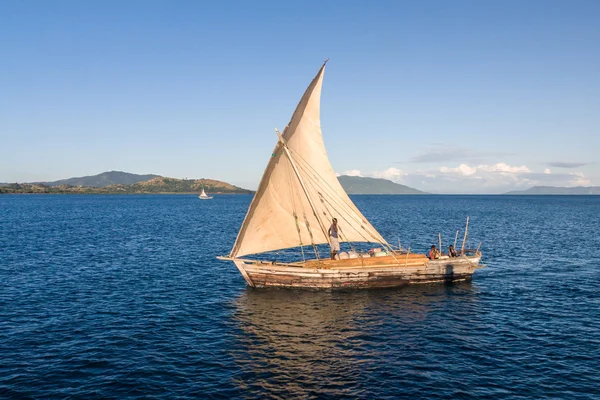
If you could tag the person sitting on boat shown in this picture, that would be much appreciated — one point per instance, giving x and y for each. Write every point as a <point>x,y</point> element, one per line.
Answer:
<point>434,253</point>
<point>452,252</point>
<point>334,238</point>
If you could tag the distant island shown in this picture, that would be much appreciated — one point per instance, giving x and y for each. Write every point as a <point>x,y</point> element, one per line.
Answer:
<point>117,182</point>
<point>362,185</point>
<point>103,179</point>
<point>555,190</point>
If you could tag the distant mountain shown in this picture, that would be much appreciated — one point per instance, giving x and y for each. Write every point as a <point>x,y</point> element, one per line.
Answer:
<point>156,185</point>
<point>541,190</point>
<point>103,179</point>
<point>361,185</point>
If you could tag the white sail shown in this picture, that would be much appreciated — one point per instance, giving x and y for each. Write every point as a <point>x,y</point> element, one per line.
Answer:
<point>203,195</point>
<point>299,193</point>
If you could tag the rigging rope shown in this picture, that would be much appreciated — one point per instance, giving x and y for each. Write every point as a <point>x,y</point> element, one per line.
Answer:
<point>318,182</point>
<point>339,226</point>
<point>299,235</point>
<point>291,185</point>
<point>304,171</point>
<point>311,239</point>
<point>350,205</point>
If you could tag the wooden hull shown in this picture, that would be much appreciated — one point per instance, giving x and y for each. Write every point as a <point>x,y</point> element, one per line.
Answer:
<point>373,272</point>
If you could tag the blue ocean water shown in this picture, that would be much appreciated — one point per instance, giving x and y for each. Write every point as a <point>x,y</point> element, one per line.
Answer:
<point>122,297</point>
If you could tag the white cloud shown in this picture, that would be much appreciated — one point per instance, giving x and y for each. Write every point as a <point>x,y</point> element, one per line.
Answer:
<point>503,168</point>
<point>578,179</point>
<point>493,178</point>
<point>351,172</point>
<point>462,169</point>
<point>390,173</point>
<point>499,168</point>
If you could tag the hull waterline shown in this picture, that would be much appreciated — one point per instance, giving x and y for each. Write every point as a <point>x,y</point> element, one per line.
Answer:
<point>381,275</point>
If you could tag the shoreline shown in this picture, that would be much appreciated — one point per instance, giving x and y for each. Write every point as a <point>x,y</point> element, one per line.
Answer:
<point>113,193</point>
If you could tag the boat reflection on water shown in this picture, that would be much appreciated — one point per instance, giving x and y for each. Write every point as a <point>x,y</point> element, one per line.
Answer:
<point>304,343</point>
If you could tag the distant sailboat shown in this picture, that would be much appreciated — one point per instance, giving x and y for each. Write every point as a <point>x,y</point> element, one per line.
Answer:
<point>203,195</point>
<point>297,198</point>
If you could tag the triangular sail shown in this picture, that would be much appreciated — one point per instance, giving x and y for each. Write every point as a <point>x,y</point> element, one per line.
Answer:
<point>299,192</point>
<point>203,194</point>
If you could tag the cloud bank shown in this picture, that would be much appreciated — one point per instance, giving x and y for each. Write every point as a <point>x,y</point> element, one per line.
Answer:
<point>476,178</point>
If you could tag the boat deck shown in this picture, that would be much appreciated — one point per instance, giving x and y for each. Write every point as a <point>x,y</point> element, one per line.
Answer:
<point>365,262</point>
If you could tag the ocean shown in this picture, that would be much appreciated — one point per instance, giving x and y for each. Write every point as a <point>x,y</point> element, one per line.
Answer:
<point>121,296</point>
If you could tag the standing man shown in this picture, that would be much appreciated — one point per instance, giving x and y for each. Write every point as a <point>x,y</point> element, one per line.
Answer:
<point>334,238</point>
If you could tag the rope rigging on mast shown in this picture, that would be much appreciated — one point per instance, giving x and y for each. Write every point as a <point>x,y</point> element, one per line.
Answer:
<point>315,178</point>
<point>306,174</point>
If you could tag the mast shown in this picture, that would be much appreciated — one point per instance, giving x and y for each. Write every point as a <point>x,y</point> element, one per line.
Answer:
<point>462,250</point>
<point>312,206</point>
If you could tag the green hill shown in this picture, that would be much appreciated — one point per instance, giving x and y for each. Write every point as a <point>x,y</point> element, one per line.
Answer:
<point>103,179</point>
<point>172,185</point>
<point>156,185</point>
<point>362,185</point>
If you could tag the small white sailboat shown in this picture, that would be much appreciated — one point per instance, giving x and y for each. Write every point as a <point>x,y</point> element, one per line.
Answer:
<point>298,196</point>
<point>203,195</point>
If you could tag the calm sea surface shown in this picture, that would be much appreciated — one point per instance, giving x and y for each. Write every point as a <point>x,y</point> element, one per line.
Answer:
<point>122,297</point>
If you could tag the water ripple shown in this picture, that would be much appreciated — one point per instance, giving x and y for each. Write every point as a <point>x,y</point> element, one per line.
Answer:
<point>121,297</point>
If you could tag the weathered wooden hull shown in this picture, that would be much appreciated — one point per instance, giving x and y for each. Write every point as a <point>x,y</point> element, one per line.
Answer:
<point>380,274</point>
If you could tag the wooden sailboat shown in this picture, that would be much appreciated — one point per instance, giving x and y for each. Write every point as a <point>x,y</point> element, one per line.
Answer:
<point>296,200</point>
<point>203,195</point>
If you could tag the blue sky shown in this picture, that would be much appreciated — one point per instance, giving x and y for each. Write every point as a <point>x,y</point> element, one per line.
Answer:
<point>445,96</point>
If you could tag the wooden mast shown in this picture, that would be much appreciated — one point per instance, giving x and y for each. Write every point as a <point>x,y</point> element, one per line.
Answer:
<point>287,152</point>
<point>462,250</point>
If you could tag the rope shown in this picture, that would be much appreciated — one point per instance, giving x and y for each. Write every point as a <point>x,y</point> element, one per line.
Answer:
<point>309,173</point>
<point>299,235</point>
<point>339,227</point>
<point>319,176</point>
<point>344,218</point>
<point>294,212</point>
<point>304,187</point>
<point>317,182</point>
<point>311,239</point>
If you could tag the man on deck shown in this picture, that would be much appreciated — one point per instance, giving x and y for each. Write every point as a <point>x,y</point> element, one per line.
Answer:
<point>434,253</point>
<point>452,252</point>
<point>334,238</point>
